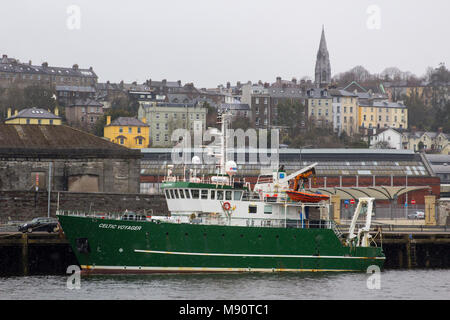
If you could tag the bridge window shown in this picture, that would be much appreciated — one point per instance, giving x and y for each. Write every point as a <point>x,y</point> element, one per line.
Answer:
<point>176,194</point>
<point>213,194</point>
<point>237,195</point>
<point>204,194</point>
<point>220,195</point>
<point>252,209</point>
<point>195,193</point>
<point>181,193</point>
<point>188,195</point>
<point>228,195</point>
<point>167,194</point>
<point>172,195</point>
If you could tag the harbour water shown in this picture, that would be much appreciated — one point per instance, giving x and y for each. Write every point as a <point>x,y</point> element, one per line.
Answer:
<point>423,284</point>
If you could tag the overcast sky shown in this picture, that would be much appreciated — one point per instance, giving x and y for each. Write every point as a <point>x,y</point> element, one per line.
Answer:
<point>210,42</point>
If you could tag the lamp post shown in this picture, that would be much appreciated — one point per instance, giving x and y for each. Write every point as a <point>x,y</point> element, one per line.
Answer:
<point>300,152</point>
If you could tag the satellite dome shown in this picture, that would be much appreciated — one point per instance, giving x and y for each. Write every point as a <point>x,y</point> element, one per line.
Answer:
<point>196,160</point>
<point>230,167</point>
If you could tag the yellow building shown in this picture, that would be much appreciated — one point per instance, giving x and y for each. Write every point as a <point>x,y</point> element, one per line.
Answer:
<point>128,132</point>
<point>33,116</point>
<point>382,114</point>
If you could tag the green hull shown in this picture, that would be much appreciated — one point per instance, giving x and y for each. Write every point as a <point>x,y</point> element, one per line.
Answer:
<point>114,246</point>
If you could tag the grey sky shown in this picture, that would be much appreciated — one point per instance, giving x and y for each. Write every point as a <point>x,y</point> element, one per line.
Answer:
<point>210,42</point>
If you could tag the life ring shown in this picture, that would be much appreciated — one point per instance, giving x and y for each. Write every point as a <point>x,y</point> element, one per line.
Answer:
<point>226,206</point>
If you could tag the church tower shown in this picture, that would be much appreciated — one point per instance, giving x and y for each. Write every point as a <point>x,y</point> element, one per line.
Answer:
<point>323,68</point>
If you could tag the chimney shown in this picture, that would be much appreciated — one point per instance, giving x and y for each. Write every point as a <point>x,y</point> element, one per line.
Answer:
<point>9,113</point>
<point>108,120</point>
<point>278,79</point>
<point>56,111</point>
<point>294,80</point>
<point>179,83</point>
<point>4,58</point>
<point>45,64</point>
<point>75,67</point>
<point>16,112</point>
<point>164,82</point>
<point>90,69</point>
<point>228,85</point>
<point>144,120</point>
<point>29,62</point>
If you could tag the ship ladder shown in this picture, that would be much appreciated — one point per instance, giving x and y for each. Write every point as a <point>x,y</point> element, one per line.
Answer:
<point>413,254</point>
<point>336,230</point>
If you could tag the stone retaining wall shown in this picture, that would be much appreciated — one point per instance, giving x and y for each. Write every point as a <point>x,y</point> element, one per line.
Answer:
<point>25,205</point>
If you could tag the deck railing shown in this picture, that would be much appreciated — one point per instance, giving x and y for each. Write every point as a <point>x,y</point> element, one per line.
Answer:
<point>219,220</point>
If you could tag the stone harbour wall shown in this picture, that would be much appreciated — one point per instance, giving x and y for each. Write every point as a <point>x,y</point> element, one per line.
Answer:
<point>25,205</point>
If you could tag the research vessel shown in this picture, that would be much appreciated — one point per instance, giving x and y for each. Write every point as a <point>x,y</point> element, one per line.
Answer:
<point>219,223</point>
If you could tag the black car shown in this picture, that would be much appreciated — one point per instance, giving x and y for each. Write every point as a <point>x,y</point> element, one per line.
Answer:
<point>40,224</point>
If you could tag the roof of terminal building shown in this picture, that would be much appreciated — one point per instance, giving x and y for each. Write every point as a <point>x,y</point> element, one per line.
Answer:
<point>36,141</point>
<point>363,162</point>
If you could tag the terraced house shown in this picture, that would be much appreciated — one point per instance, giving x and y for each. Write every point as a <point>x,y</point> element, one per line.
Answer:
<point>382,114</point>
<point>345,111</point>
<point>15,73</point>
<point>320,107</point>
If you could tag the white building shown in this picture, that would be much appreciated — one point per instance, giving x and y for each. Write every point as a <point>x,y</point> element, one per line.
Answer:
<point>386,139</point>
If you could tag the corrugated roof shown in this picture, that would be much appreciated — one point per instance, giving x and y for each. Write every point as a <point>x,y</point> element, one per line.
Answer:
<point>57,141</point>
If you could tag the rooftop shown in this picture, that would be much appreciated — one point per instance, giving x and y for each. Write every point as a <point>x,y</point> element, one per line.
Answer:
<point>13,65</point>
<point>35,113</point>
<point>128,121</point>
<point>36,141</point>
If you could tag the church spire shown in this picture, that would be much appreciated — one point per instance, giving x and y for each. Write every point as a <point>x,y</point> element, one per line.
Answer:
<point>323,68</point>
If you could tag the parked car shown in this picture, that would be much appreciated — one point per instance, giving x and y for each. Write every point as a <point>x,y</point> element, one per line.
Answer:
<point>40,224</point>
<point>417,215</point>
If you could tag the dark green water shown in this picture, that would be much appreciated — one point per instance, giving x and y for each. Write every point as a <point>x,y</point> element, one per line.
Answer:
<point>394,284</point>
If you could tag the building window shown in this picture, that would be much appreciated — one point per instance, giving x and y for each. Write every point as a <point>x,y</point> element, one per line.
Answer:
<point>120,129</point>
<point>130,130</point>
<point>121,140</point>
<point>39,121</point>
<point>139,130</point>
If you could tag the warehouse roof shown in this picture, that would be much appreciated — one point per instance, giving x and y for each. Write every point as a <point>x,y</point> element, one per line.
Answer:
<point>57,142</point>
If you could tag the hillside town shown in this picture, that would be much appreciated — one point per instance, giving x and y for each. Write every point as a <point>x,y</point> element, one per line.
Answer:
<point>391,110</point>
